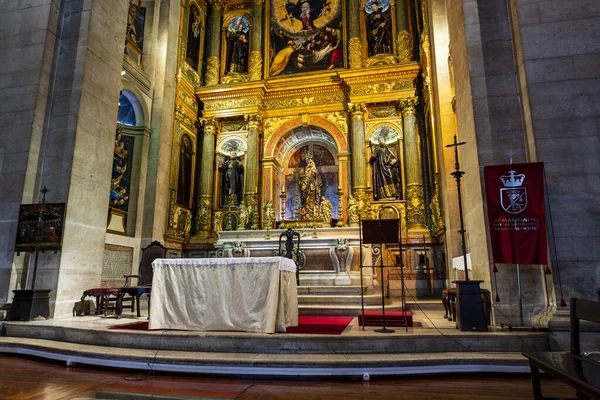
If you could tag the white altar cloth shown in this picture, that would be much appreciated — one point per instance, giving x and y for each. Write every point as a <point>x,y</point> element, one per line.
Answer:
<point>253,294</point>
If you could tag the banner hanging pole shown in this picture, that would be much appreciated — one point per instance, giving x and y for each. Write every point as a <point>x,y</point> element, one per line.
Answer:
<point>520,293</point>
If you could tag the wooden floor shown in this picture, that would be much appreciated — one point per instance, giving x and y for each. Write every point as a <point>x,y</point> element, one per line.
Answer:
<point>32,379</point>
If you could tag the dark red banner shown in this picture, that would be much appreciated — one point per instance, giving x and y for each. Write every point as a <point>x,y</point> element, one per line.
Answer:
<point>515,203</point>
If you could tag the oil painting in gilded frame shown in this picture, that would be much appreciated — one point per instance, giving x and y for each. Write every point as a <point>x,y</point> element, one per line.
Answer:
<point>305,36</point>
<point>40,226</point>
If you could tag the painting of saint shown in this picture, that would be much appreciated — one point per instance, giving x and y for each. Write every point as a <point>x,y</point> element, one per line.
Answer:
<point>306,35</point>
<point>192,53</point>
<point>237,45</point>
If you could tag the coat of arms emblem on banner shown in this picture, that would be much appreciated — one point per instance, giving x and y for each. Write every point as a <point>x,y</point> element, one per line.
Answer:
<point>513,198</point>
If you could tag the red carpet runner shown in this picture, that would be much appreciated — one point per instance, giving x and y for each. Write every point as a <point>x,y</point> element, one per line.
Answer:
<point>316,325</point>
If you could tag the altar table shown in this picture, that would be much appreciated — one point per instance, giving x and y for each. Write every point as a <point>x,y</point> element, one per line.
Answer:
<point>253,294</point>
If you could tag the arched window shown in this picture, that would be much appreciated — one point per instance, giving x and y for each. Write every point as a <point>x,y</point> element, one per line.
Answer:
<point>130,110</point>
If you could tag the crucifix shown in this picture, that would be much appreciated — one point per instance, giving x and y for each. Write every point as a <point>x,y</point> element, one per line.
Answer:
<point>457,174</point>
<point>43,192</point>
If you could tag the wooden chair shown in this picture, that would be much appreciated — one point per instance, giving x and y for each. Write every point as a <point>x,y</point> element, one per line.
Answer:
<point>573,368</point>
<point>145,273</point>
<point>291,248</point>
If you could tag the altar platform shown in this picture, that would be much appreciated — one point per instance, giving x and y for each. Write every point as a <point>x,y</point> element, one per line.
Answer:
<point>92,340</point>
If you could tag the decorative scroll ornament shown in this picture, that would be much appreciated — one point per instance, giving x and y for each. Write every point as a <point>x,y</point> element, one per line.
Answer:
<point>271,125</point>
<point>232,78</point>
<point>189,101</point>
<point>362,198</point>
<point>403,46</point>
<point>183,222</point>
<point>212,71</point>
<point>381,87</point>
<point>182,117</point>
<point>339,119</point>
<point>255,65</point>
<point>380,60</point>
<point>233,103</point>
<point>203,215</point>
<point>355,53</point>
<point>305,101</point>
<point>436,212</point>
<point>251,201</point>
<point>415,206</point>
<point>382,112</point>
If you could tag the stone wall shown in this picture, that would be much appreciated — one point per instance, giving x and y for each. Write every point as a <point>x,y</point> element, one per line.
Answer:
<point>561,59</point>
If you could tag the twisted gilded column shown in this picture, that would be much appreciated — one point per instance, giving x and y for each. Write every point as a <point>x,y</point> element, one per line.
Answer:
<point>251,172</point>
<point>415,202</point>
<point>255,62</point>
<point>354,46</point>
<point>204,212</point>
<point>404,49</point>
<point>213,43</point>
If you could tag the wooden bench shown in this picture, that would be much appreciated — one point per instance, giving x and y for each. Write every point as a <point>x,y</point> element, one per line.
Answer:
<point>577,370</point>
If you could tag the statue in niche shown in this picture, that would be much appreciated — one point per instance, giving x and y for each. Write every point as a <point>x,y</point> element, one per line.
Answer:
<point>237,45</point>
<point>325,208</point>
<point>309,185</point>
<point>379,27</point>
<point>385,170</point>
<point>184,179</point>
<point>232,171</point>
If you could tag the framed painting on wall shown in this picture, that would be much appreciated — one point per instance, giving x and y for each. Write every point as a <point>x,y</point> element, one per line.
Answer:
<point>40,226</point>
<point>305,36</point>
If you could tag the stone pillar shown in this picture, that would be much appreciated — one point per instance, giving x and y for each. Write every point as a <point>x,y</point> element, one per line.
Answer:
<point>354,46</point>
<point>404,48</point>
<point>213,44</point>
<point>255,62</point>
<point>415,203</point>
<point>251,171</point>
<point>204,212</point>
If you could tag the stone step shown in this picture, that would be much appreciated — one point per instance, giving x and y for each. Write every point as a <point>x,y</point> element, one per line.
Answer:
<point>268,364</point>
<point>333,290</point>
<point>352,341</point>
<point>346,300</point>
<point>337,310</point>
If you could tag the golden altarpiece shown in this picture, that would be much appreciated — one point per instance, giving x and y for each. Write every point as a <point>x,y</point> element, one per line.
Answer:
<point>307,114</point>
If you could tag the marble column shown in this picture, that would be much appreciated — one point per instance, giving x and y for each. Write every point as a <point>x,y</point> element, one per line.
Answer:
<point>204,211</point>
<point>354,45</point>
<point>213,42</point>
<point>415,203</point>
<point>255,62</point>
<point>251,171</point>
<point>404,49</point>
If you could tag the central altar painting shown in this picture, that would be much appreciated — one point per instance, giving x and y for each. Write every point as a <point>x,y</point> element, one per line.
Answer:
<point>305,35</point>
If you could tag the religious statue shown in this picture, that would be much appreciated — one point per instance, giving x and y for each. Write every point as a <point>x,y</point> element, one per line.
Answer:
<point>237,46</point>
<point>385,171</point>
<point>119,196</point>
<point>379,30</point>
<point>325,208</point>
<point>352,211</point>
<point>243,214</point>
<point>310,186</point>
<point>269,214</point>
<point>233,177</point>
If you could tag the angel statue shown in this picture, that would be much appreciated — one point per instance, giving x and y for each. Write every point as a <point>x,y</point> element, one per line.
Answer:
<point>352,211</point>
<point>306,11</point>
<point>325,210</point>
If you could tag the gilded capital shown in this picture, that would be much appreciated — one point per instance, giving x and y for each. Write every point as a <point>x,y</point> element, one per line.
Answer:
<point>210,125</point>
<point>258,2</point>
<point>217,5</point>
<point>357,110</point>
<point>253,120</point>
<point>408,105</point>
